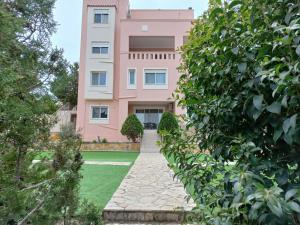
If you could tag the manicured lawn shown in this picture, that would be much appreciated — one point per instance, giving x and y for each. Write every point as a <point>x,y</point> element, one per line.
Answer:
<point>100,182</point>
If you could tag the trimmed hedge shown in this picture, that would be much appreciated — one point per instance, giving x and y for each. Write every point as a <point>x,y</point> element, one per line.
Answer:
<point>168,123</point>
<point>132,128</point>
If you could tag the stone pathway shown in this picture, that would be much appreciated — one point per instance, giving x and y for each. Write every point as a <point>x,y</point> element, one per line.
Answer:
<point>148,193</point>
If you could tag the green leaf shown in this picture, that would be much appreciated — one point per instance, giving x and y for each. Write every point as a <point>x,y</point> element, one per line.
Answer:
<point>284,102</point>
<point>286,125</point>
<point>290,194</point>
<point>235,50</point>
<point>298,50</point>
<point>216,12</point>
<point>257,101</point>
<point>235,3</point>
<point>275,108</point>
<point>275,207</point>
<point>277,134</point>
<point>256,114</point>
<point>242,67</point>
<point>294,206</point>
<point>289,123</point>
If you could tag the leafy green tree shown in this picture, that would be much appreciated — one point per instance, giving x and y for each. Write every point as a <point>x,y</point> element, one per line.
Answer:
<point>240,85</point>
<point>132,128</point>
<point>65,83</point>
<point>32,193</point>
<point>168,123</point>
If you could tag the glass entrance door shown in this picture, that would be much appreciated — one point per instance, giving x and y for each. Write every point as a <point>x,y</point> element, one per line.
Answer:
<point>150,118</point>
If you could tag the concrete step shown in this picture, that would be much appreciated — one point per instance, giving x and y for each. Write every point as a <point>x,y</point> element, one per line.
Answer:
<point>150,216</point>
<point>149,141</point>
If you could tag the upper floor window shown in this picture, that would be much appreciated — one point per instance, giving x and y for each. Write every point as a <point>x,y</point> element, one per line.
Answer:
<point>131,78</point>
<point>100,48</point>
<point>99,112</point>
<point>99,78</point>
<point>155,77</point>
<point>101,16</point>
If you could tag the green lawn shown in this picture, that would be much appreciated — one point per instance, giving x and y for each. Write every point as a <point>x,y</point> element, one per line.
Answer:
<point>100,182</point>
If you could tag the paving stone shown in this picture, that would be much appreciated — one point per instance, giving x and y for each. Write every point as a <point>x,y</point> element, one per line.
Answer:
<point>149,192</point>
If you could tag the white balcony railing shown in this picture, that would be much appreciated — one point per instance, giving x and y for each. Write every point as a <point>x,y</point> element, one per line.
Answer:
<point>152,55</point>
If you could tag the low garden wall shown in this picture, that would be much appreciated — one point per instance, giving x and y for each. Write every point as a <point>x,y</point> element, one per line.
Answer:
<point>135,147</point>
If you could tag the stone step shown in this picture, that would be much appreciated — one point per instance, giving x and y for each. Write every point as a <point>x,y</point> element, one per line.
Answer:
<point>150,216</point>
<point>143,224</point>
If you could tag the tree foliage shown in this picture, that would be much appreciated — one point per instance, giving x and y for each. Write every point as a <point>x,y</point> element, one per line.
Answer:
<point>65,83</point>
<point>32,193</point>
<point>240,84</point>
<point>168,123</point>
<point>132,128</point>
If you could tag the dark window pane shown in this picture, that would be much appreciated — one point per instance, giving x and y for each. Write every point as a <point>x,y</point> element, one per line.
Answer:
<point>96,50</point>
<point>160,78</point>
<point>104,113</point>
<point>150,78</point>
<point>95,78</point>
<point>104,50</point>
<point>103,78</point>
<point>95,112</point>
<point>97,18</point>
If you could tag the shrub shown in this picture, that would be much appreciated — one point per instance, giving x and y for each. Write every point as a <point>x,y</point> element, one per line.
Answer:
<point>104,141</point>
<point>132,128</point>
<point>89,214</point>
<point>240,84</point>
<point>168,123</point>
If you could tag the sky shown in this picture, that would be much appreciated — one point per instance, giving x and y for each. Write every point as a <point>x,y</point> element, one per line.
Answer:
<point>69,20</point>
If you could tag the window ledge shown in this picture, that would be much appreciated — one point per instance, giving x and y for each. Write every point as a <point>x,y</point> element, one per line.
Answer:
<point>156,87</point>
<point>99,121</point>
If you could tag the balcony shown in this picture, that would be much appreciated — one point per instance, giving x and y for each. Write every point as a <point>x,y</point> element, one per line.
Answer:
<point>152,55</point>
<point>152,48</point>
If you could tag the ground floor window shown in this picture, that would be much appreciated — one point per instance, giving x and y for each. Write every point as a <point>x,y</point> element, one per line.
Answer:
<point>99,112</point>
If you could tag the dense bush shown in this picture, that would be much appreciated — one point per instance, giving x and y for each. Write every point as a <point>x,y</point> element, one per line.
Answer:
<point>241,87</point>
<point>132,128</point>
<point>168,122</point>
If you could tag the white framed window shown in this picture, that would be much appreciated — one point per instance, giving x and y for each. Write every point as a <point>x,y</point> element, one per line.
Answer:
<point>100,48</point>
<point>156,78</point>
<point>99,112</point>
<point>101,16</point>
<point>131,79</point>
<point>99,78</point>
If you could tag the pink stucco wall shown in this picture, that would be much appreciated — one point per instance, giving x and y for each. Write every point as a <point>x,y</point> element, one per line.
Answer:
<point>159,23</point>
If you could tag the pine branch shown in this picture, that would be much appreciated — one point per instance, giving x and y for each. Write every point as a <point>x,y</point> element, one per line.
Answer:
<point>23,221</point>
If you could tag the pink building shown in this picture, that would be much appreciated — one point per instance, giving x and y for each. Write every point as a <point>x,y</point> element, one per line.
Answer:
<point>128,65</point>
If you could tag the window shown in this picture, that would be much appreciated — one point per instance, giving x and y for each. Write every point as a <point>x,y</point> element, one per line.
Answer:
<point>99,78</point>
<point>131,79</point>
<point>155,77</point>
<point>100,48</point>
<point>99,112</point>
<point>101,16</point>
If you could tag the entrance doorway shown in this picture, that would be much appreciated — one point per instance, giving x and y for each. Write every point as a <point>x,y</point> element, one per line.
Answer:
<point>149,117</point>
